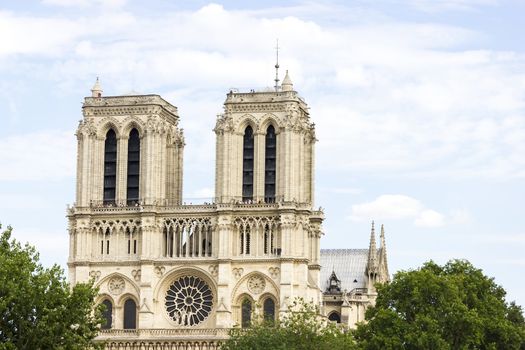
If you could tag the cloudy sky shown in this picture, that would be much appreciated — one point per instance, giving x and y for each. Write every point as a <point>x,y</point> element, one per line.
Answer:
<point>419,107</point>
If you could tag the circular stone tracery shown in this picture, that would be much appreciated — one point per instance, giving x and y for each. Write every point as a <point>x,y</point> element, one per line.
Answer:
<point>189,301</point>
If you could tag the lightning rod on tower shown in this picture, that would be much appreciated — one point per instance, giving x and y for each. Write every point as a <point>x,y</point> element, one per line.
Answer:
<point>277,66</point>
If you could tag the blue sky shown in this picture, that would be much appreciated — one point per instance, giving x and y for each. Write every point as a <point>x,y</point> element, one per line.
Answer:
<point>419,107</point>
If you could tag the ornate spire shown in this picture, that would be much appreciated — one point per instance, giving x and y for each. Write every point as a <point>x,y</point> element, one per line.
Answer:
<point>96,91</point>
<point>383,263</point>
<point>287,83</point>
<point>372,252</point>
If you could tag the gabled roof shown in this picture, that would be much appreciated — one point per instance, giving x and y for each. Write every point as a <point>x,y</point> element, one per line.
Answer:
<point>349,266</point>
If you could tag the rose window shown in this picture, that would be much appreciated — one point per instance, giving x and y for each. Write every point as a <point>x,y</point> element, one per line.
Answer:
<point>189,301</point>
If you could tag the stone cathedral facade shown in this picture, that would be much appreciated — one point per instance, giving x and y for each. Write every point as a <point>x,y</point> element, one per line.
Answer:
<point>177,276</point>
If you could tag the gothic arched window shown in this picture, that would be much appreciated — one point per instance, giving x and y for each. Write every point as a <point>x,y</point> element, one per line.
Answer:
<point>133,166</point>
<point>245,240</point>
<point>110,167</point>
<point>270,161</point>
<point>130,314</point>
<point>269,309</point>
<point>107,314</point>
<point>247,165</point>
<point>334,316</point>
<point>246,313</point>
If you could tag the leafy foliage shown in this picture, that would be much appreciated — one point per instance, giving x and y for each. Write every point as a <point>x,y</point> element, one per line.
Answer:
<point>300,328</point>
<point>442,307</point>
<point>38,309</point>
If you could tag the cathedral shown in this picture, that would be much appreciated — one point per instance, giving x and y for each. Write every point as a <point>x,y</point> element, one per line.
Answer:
<point>178,276</point>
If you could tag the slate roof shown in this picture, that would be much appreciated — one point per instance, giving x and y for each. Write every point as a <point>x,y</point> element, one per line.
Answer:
<point>348,264</point>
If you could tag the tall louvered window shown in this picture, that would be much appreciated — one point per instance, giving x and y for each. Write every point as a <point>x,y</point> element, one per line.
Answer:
<point>110,167</point>
<point>247,165</point>
<point>246,313</point>
<point>133,167</point>
<point>269,309</point>
<point>130,314</point>
<point>270,165</point>
<point>107,315</point>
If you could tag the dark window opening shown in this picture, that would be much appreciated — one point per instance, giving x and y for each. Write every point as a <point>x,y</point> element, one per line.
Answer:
<point>269,309</point>
<point>133,167</point>
<point>246,313</point>
<point>270,161</point>
<point>130,314</point>
<point>334,316</point>
<point>134,246</point>
<point>247,165</point>
<point>107,246</point>
<point>107,314</point>
<point>110,167</point>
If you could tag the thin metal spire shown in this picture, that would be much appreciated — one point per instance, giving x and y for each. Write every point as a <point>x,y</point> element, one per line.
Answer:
<point>277,66</point>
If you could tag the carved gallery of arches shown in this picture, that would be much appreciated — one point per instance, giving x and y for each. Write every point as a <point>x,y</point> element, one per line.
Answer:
<point>258,240</point>
<point>118,242</point>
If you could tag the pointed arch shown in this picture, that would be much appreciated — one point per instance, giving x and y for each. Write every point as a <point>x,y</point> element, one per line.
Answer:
<point>106,124</point>
<point>245,121</point>
<point>270,119</point>
<point>110,166</point>
<point>248,164</point>
<point>132,123</point>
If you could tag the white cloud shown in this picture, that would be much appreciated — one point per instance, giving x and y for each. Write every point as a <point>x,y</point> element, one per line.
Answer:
<point>51,245</point>
<point>393,96</point>
<point>342,190</point>
<point>205,193</point>
<point>21,201</point>
<point>38,156</point>
<point>85,3</point>
<point>429,218</point>
<point>397,207</point>
<point>449,5</point>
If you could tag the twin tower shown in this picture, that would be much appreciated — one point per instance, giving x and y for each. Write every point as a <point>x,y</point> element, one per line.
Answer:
<point>171,273</point>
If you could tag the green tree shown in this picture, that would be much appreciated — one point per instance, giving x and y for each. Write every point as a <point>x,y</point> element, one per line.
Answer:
<point>38,309</point>
<point>454,306</point>
<point>300,328</point>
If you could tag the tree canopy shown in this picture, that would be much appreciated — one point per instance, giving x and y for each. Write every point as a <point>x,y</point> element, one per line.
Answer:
<point>300,327</point>
<point>454,306</point>
<point>38,309</point>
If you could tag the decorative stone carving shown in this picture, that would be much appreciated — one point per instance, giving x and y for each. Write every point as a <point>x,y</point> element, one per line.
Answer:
<point>237,272</point>
<point>136,275</point>
<point>256,284</point>
<point>159,270</point>
<point>95,275</point>
<point>214,270</point>
<point>224,123</point>
<point>116,285</point>
<point>274,272</point>
<point>188,301</point>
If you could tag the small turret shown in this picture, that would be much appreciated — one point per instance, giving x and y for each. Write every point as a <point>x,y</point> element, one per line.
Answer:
<point>96,91</point>
<point>287,83</point>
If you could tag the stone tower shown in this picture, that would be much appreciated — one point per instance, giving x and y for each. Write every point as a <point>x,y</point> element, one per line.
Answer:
<point>174,274</point>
